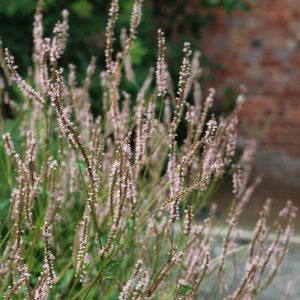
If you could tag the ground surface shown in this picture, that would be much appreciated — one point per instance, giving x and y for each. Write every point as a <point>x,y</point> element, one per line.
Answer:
<point>286,286</point>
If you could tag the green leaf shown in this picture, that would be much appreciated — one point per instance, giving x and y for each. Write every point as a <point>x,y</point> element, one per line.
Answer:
<point>82,8</point>
<point>4,204</point>
<point>138,52</point>
<point>130,224</point>
<point>66,279</point>
<point>184,289</point>
<point>112,265</point>
<point>41,191</point>
<point>104,238</point>
<point>80,164</point>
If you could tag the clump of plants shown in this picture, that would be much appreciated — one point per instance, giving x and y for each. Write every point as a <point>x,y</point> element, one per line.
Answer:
<point>103,207</point>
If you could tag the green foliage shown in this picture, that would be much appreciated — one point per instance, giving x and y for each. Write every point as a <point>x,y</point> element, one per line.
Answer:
<point>88,20</point>
<point>83,8</point>
<point>87,31</point>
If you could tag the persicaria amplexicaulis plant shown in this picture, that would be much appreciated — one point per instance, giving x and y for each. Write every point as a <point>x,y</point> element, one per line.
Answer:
<point>105,207</point>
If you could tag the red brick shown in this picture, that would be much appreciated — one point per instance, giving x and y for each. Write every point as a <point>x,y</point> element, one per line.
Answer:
<point>269,68</point>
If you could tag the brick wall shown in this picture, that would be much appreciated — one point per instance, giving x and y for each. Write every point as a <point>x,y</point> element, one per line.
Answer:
<point>261,49</point>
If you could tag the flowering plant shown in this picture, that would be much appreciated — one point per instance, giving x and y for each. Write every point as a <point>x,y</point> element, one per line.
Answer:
<point>103,208</point>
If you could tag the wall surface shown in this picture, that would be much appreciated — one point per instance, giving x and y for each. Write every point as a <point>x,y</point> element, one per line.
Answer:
<point>261,49</point>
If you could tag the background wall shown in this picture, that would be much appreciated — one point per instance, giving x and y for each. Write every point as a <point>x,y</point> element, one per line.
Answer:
<point>261,49</point>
